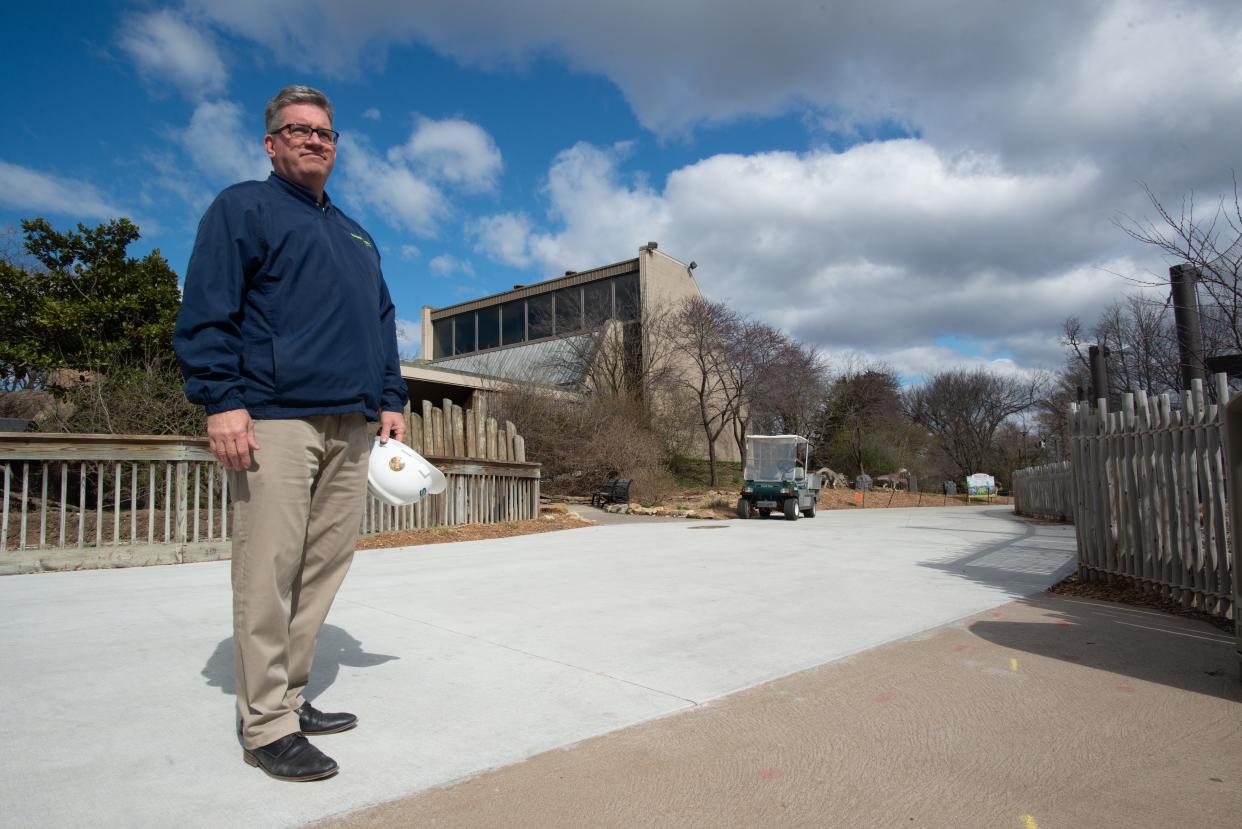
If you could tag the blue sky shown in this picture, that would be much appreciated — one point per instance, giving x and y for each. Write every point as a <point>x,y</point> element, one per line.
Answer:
<point>921,184</point>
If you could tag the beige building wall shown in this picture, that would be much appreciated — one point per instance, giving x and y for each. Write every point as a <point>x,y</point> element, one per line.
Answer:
<point>665,283</point>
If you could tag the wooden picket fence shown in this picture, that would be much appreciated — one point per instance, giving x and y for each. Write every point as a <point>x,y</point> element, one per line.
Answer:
<point>73,501</point>
<point>1149,492</point>
<point>1045,491</point>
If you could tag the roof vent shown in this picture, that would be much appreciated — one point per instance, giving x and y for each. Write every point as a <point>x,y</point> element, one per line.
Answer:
<point>519,285</point>
<point>652,245</point>
<point>570,273</point>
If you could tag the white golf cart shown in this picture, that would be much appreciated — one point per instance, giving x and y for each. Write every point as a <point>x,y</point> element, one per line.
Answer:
<point>777,477</point>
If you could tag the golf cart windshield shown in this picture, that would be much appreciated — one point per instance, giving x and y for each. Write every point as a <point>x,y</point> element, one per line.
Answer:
<point>772,458</point>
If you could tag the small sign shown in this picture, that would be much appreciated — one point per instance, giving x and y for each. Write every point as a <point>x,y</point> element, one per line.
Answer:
<point>980,484</point>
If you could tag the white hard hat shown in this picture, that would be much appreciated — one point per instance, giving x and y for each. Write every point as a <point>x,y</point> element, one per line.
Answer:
<point>399,476</point>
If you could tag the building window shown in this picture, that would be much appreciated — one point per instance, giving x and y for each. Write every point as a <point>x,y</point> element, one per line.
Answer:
<point>463,335</point>
<point>539,316</point>
<point>597,301</point>
<point>628,305</point>
<point>568,310</point>
<point>512,322</point>
<point>489,327</point>
<point>442,335</point>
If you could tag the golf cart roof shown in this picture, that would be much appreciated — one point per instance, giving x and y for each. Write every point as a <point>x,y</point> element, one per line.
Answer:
<point>798,439</point>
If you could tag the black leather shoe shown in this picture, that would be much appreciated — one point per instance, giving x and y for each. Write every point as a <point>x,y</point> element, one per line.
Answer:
<point>314,721</point>
<point>292,757</point>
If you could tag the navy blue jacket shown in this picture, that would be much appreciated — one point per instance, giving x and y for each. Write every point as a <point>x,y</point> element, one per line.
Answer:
<point>285,312</point>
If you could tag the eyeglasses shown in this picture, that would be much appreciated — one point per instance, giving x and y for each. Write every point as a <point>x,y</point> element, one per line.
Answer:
<point>302,132</point>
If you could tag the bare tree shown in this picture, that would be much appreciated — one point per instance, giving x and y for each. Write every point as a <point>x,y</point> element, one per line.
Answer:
<point>704,335</point>
<point>1212,243</point>
<point>963,409</point>
<point>791,391</point>
<point>754,348</point>
<point>1142,347</point>
<point>862,411</point>
<point>630,359</point>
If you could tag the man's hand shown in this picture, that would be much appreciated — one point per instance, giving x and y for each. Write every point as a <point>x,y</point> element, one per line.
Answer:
<point>391,423</point>
<point>231,437</point>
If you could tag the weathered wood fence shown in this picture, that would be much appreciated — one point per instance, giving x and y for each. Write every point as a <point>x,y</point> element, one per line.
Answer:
<point>74,501</point>
<point>1044,491</point>
<point>1150,496</point>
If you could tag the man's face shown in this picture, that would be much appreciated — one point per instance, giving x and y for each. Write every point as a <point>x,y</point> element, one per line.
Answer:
<point>306,162</point>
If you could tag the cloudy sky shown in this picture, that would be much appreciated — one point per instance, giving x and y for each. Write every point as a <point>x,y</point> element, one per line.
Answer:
<point>927,183</point>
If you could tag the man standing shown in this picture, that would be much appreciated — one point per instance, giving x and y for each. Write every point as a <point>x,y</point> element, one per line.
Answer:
<point>287,337</point>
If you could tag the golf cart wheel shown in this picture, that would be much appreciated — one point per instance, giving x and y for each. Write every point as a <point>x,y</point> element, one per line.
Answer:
<point>743,508</point>
<point>791,509</point>
<point>809,512</point>
<point>764,512</point>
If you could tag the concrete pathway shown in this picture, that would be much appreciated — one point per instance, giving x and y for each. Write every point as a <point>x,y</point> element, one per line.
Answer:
<point>1046,713</point>
<point>465,657</point>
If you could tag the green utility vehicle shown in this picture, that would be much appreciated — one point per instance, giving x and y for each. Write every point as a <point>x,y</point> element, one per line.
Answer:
<point>777,478</point>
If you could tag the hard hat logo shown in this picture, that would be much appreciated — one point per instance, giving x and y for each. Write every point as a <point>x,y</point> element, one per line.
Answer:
<point>396,464</point>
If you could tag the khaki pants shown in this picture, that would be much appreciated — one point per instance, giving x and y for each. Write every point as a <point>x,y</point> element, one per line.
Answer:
<point>296,514</point>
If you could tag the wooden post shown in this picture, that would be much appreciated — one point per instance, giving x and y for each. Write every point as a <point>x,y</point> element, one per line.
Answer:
<point>415,434</point>
<point>480,423</point>
<point>459,431</point>
<point>437,431</point>
<point>1233,453</point>
<point>510,434</point>
<point>429,442</point>
<point>472,437</point>
<point>182,501</point>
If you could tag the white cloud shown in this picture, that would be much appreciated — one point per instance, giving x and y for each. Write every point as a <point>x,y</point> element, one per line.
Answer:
<point>452,151</point>
<point>409,339</point>
<point>27,190</point>
<point>220,146</point>
<point>884,247</point>
<point>371,114</point>
<point>390,190</point>
<point>445,266</point>
<point>410,252</point>
<point>1031,128</point>
<point>504,237</point>
<point>404,187</point>
<point>167,48</point>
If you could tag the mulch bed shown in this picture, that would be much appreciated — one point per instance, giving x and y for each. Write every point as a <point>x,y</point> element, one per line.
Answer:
<point>473,532</point>
<point>1124,591</point>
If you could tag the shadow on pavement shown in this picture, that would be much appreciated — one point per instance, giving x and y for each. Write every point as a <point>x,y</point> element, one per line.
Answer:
<point>1138,643</point>
<point>1017,557</point>
<point>334,648</point>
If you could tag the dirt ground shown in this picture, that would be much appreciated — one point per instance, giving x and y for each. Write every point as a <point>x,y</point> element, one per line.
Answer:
<point>894,499</point>
<point>1128,592</point>
<point>721,503</point>
<point>554,517</point>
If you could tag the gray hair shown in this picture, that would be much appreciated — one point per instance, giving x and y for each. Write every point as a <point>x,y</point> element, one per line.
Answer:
<point>294,95</point>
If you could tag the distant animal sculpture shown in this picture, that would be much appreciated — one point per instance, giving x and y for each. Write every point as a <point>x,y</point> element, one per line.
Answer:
<point>896,480</point>
<point>834,480</point>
